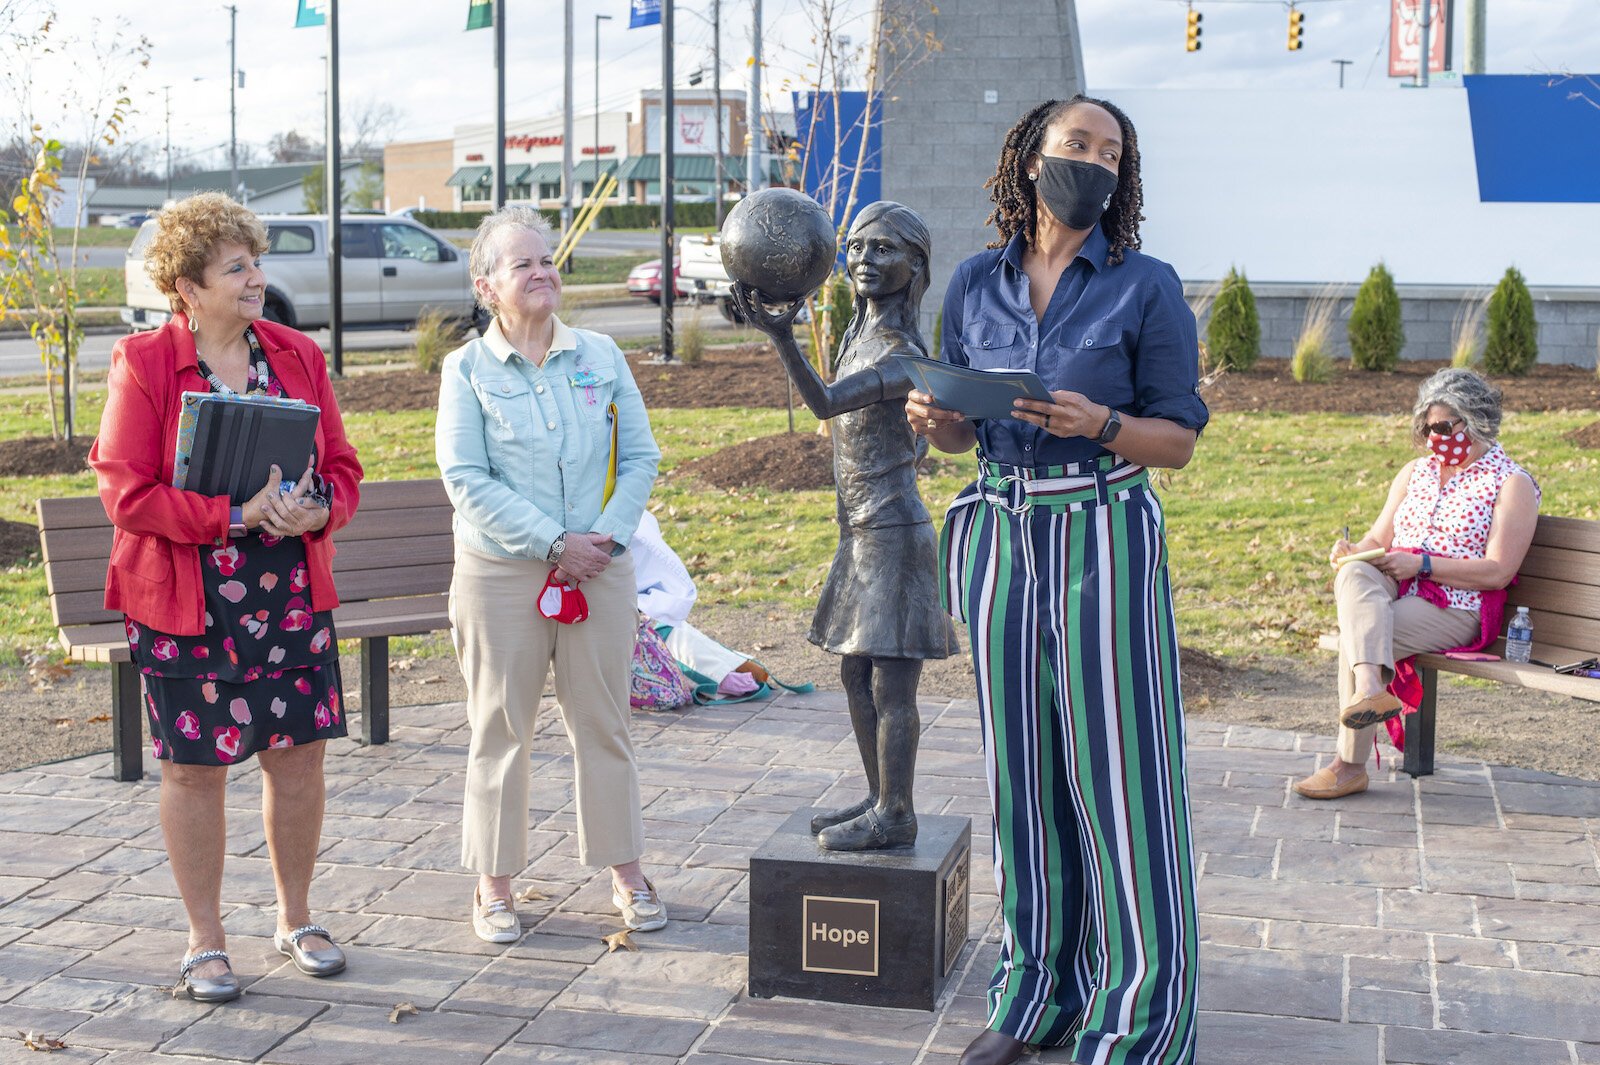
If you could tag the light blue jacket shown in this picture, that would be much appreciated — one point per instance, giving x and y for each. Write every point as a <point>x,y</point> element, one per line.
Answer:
<point>524,449</point>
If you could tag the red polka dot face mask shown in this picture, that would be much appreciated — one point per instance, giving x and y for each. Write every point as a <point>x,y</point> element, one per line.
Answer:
<point>1451,448</point>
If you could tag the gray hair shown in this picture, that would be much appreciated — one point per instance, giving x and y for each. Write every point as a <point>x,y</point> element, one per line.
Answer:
<point>1469,396</point>
<point>492,231</point>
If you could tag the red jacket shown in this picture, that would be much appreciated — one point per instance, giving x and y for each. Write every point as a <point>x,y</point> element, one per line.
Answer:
<point>154,575</point>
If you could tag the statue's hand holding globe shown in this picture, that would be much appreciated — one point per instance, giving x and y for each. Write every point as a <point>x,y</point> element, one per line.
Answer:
<point>778,246</point>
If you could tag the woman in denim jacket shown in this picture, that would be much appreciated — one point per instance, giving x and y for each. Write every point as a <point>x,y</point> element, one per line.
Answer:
<point>527,418</point>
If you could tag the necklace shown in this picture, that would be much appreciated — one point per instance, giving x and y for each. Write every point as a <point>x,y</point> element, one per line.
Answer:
<point>257,379</point>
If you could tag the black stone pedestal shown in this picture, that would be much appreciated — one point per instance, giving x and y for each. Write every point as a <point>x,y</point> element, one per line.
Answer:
<point>876,928</point>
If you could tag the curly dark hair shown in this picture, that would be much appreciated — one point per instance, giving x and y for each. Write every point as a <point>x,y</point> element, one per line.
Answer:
<point>1013,194</point>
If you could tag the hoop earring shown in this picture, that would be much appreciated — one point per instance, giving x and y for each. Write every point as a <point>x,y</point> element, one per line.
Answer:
<point>194,326</point>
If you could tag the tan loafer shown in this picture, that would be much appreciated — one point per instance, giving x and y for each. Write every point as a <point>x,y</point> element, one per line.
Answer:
<point>1370,710</point>
<point>1323,784</point>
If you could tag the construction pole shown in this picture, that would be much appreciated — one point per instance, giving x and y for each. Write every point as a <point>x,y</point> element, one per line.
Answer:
<point>1423,48</point>
<point>1477,36</point>
<point>335,192</point>
<point>566,132</point>
<point>233,111</point>
<point>716,90</point>
<point>752,109</point>
<point>669,273</point>
<point>499,103</point>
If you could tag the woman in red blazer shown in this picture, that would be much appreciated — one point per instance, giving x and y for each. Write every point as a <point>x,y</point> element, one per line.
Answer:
<point>227,608</point>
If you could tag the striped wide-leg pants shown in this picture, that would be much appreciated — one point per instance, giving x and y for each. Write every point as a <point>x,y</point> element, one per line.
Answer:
<point>1061,576</point>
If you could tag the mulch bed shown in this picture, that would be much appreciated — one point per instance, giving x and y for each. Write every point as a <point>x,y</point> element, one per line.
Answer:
<point>19,543</point>
<point>41,456</point>
<point>746,376</point>
<point>1588,436</point>
<point>788,462</point>
<point>1269,386</point>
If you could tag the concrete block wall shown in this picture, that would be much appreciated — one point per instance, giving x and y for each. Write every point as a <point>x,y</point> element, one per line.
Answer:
<point>1569,319</point>
<point>941,139</point>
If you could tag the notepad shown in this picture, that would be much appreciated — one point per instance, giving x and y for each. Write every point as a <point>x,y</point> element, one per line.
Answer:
<point>975,393</point>
<point>227,443</point>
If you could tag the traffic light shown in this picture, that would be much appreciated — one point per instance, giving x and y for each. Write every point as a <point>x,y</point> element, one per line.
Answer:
<point>1192,44</point>
<point>1296,31</point>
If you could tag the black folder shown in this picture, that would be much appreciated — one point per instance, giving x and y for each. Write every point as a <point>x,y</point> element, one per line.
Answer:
<point>236,444</point>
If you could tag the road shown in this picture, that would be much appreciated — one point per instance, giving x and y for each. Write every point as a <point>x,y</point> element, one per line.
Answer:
<point>639,319</point>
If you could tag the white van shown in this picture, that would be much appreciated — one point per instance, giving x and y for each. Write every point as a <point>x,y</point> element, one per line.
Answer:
<point>394,269</point>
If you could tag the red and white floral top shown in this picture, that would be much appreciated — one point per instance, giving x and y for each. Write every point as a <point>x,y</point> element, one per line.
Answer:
<point>1452,520</point>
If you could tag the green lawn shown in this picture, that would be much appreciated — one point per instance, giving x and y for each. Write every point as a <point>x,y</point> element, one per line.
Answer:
<point>98,286</point>
<point>88,237</point>
<point>1249,521</point>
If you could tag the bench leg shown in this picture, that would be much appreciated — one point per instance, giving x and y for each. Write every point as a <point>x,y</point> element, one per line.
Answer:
<point>1419,727</point>
<point>127,730</point>
<point>375,690</point>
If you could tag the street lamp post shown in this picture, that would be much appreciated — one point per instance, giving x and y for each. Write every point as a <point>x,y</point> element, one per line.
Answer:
<point>597,20</point>
<point>233,113</point>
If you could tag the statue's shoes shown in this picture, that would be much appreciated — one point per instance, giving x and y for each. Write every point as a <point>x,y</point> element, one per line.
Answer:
<point>829,818</point>
<point>869,832</point>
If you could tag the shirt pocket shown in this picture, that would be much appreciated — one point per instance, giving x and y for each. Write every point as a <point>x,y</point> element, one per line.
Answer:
<point>1093,359</point>
<point>507,407</point>
<point>593,388</point>
<point>995,346</point>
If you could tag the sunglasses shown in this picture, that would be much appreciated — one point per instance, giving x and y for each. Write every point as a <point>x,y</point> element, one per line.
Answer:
<point>1444,428</point>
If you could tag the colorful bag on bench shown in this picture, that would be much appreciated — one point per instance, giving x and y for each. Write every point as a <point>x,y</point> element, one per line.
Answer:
<point>657,683</point>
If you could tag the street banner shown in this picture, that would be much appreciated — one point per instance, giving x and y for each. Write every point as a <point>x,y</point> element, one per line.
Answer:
<point>312,13</point>
<point>480,14</point>
<point>644,13</point>
<point>1405,33</point>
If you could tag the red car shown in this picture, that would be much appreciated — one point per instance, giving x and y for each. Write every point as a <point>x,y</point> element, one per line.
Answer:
<point>645,280</point>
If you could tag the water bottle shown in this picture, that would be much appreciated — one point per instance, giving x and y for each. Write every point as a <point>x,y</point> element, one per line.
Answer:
<point>1519,637</point>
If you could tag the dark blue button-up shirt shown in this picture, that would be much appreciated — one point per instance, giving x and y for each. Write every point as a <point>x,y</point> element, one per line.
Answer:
<point>1121,335</point>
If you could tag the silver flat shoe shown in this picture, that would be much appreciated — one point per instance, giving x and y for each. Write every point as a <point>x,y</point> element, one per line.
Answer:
<point>311,962</point>
<point>213,989</point>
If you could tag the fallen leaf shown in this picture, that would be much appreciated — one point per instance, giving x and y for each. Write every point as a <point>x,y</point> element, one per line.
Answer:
<point>35,1041</point>
<point>401,1010</point>
<point>63,722</point>
<point>431,680</point>
<point>622,940</point>
<point>531,894</point>
<point>96,719</point>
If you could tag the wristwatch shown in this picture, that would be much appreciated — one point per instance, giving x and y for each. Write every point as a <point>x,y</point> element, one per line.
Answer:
<point>558,547</point>
<point>1113,427</point>
<point>1427,566</point>
<point>236,527</point>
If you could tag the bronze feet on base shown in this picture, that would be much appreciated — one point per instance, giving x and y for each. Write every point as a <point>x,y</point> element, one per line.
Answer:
<point>869,832</point>
<point>829,818</point>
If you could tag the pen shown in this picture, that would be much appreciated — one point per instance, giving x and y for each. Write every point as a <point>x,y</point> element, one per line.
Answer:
<point>1347,534</point>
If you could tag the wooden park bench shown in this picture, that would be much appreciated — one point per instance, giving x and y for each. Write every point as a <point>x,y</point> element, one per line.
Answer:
<point>392,568</point>
<point>1560,585</point>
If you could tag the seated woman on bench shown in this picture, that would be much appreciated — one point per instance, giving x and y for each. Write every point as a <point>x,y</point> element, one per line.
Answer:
<point>1453,533</point>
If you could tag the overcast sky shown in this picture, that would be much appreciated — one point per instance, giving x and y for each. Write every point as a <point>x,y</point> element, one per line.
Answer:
<point>415,55</point>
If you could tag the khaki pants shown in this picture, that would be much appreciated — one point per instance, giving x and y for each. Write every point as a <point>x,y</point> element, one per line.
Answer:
<point>506,650</point>
<point>1376,628</point>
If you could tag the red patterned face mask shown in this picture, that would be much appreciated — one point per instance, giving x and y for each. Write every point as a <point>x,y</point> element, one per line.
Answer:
<point>1451,448</point>
<point>562,602</point>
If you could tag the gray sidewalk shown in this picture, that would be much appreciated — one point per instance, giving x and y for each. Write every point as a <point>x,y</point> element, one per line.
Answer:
<point>1448,923</point>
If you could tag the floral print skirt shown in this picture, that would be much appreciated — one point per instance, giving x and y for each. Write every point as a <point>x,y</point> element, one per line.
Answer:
<point>265,673</point>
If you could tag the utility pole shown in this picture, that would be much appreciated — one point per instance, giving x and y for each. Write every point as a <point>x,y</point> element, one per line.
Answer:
<point>566,131</point>
<point>500,102</point>
<point>597,20</point>
<point>233,113</point>
<point>166,93</point>
<point>716,91</point>
<point>752,109</point>
<point>333,162</point>
<point>1477,35</point>
<point>1342,64</point>
<point>1423,48</point>
<point>669,273</point>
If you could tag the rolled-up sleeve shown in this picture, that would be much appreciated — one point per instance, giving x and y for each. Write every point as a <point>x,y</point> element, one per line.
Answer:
<point>488,504</point>
<point>638,457</point>
<point>1166,364</point>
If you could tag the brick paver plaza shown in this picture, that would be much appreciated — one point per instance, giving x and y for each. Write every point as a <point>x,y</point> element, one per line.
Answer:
<point>1448,923</point>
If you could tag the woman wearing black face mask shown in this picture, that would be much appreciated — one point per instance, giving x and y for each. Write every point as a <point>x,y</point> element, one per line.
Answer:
<point>1056,559</point>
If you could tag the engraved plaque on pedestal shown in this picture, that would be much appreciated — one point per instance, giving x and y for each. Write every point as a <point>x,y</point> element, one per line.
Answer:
<point>877,928</point>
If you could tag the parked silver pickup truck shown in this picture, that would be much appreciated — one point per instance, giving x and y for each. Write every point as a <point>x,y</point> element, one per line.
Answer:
<point>394,269</point>
<point>701,276</point>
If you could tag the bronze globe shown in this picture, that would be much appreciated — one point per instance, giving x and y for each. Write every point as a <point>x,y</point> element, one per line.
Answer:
<point>779,242</point>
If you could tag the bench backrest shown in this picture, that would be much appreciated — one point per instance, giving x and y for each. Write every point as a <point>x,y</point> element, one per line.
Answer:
<point>398,544</point>
<point>1560,585</point>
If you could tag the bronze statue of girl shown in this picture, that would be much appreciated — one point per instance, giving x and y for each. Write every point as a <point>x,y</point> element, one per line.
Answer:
<point>879,606</point>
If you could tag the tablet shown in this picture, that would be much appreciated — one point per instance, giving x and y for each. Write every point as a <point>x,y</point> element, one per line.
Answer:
<point>236,444</point>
